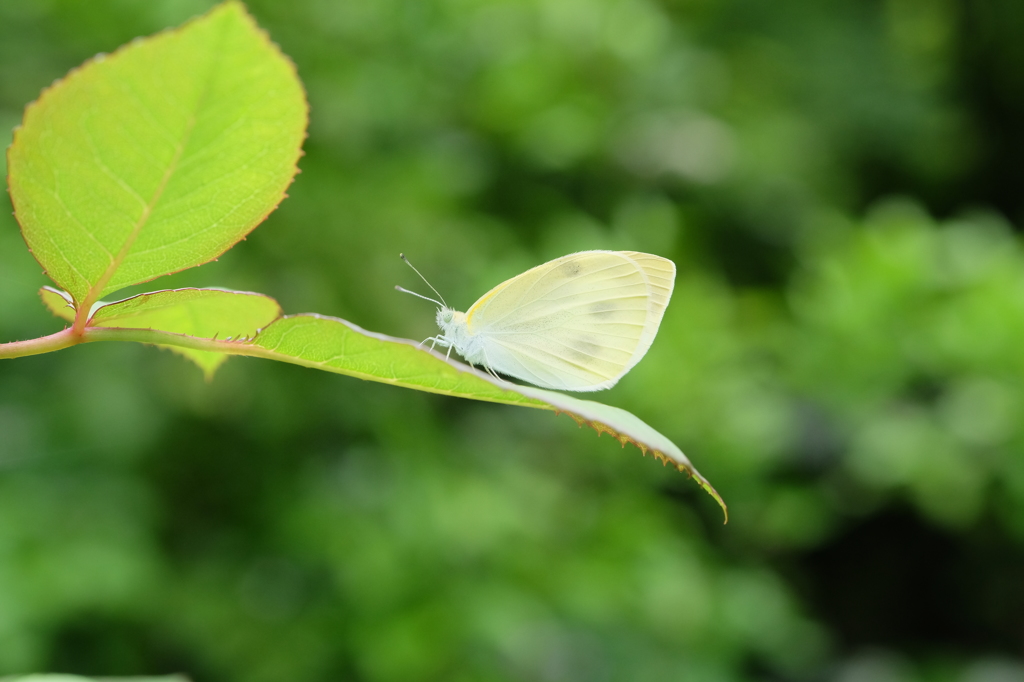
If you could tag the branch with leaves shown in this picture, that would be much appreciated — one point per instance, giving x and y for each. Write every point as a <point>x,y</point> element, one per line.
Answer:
<point>162,156</point>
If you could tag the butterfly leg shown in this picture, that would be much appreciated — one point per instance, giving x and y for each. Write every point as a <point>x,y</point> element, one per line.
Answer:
<point>486,369</point>
<point>434,341</point>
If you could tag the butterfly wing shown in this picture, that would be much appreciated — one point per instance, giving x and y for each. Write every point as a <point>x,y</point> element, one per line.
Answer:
<point>577,323</point>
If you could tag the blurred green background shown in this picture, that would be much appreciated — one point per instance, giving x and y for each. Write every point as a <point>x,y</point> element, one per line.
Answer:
<point>840,184</point>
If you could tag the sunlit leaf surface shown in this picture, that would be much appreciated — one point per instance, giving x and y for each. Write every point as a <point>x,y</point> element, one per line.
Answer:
<point>158,157</point>
<point>338,346</point>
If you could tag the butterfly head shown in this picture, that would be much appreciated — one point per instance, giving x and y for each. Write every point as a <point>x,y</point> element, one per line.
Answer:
<point>445,317</point>
<point>453,326</point>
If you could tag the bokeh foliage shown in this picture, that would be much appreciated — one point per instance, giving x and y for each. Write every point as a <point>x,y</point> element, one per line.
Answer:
<point>841,357</point>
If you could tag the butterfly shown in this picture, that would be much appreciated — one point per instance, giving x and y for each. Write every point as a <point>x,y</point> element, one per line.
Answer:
<point>577,323</point>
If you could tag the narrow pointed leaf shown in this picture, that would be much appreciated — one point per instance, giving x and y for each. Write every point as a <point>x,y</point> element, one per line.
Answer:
<point>203,313</point>
<point>338,346</point>
<point>158,157</point>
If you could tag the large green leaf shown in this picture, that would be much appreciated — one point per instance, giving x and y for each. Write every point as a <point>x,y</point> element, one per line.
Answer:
<point>158,157</point>
<point>206,313</point>
<point>338,346</point>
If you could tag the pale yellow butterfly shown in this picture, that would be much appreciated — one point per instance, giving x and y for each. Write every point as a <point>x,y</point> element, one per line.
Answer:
<point>577,323</point>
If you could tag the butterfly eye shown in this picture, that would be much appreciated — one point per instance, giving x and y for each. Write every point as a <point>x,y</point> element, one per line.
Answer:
<point>447,316</point>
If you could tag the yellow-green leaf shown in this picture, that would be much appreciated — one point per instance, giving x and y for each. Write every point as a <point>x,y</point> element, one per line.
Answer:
<point>338,346</point>
<point>158,157</point>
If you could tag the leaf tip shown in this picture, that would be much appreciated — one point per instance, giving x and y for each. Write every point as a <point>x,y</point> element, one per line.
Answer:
<point>680,465</point>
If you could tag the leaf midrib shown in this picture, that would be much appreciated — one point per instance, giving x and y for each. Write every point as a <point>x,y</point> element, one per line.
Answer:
<point>96,290</point>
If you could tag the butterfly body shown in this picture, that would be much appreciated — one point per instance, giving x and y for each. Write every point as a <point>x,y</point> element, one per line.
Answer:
<point>577,323</point>
<point>455,334</point>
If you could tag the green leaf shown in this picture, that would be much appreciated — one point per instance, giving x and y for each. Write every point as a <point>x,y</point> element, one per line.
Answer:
<point>158,157</point>
<point>203,313</point>
<point>338,346</point>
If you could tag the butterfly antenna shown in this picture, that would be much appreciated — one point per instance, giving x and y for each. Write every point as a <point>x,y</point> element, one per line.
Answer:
<point>406,291</point>
<point>402,256</point>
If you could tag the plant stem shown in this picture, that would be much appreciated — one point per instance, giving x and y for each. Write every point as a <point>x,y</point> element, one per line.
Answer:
<point>44,344</point>
<point>67,338</point>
